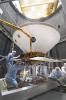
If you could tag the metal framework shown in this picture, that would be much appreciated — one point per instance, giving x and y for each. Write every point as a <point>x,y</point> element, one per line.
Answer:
<point>5,1</point>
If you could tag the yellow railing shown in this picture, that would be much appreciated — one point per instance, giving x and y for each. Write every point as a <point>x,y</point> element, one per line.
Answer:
<point>17,28</point>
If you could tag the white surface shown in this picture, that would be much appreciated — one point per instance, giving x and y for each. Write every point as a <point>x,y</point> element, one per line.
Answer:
<point>46,38</point>
<point>15,90</point>
<point>45,59</point>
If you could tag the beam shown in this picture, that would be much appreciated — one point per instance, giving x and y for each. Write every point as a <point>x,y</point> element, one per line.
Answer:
<point>6,1</point>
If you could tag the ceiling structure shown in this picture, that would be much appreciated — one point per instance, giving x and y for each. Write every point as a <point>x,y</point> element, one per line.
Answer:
<point>9,13</point>
<point>36,9</point>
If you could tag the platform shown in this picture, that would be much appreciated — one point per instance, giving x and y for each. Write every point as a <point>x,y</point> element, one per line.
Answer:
<point>27,92</point>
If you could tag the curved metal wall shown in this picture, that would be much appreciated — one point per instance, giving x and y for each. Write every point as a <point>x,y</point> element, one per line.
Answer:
<point>12,16</point>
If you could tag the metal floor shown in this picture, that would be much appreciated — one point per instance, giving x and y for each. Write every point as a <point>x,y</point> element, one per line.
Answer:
<point>50,92</point>
<point>52,95</point>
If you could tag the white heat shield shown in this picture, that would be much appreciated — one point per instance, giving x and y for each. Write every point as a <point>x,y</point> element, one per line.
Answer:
<point>46,38</point>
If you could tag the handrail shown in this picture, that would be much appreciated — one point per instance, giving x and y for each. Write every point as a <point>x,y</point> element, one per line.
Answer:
<point>14,27</point>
